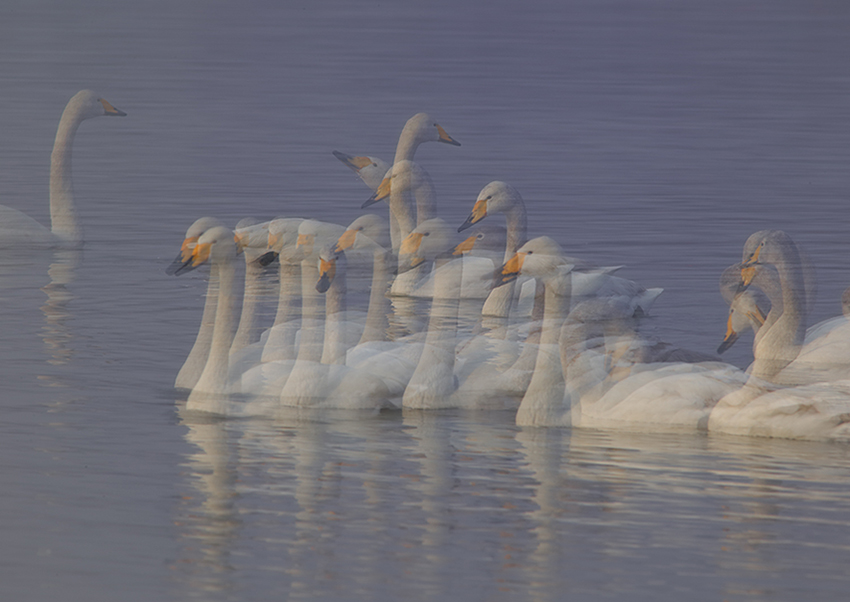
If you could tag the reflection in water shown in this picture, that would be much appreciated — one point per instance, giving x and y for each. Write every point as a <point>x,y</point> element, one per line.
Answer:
<point>55,332</point>
<point>412,503</point>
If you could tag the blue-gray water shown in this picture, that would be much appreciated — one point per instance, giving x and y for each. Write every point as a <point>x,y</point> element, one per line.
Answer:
<point>653,134</point>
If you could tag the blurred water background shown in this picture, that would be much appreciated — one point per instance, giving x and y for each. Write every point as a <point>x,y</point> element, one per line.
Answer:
<point>653,134</point>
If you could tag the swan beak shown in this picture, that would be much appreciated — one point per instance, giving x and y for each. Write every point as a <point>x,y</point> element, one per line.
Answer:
<point>511,270</point>
<point>304,240</point>
<point>108,109</point>
<point>346,241</point>
<point>380,194</point>
<point>266,258</point>
<point>183,257</point>
<point>747,275</point>
<point>327,271</point>
<point>758,317</point>
<point>444,137</point>
<point>466,246</point>
<point>274,240</point>
<point>410,245</point>
<point>479,212</point>
<point>754,258</point>
<point>730,338</point>
<point>241,241</point>
<point>201,253</point>
<point>354,163</point>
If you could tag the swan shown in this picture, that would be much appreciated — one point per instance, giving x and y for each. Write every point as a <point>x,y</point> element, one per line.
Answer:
<point>329,383</point>
<point>570,387</point>
<point>747,308</point>
<point>17,228</point>
<point>418,129</point>
<point>587,281</point>
<point>191,370</point>
<point>211,392</point>
<point>817,411</point>
<point>435,383</point>
<point>369,169</point>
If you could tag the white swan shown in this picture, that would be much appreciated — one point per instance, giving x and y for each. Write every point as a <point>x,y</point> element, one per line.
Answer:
<point>816,411</point>
<point>747,308</point>
<point>371,170</point>
<point>211,393</point>
<point>191,370</point>
<point>671,396</point>
<point>435,384</point>
<point>17,228</point>
<point>587,281</point>
<point>329,383</point>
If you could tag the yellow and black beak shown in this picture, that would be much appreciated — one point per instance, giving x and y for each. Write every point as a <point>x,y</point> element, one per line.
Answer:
<point>444,137</point>
<point>466,246</point>
<point>730,338</point>
<point>345,242</point>
<point>511,270</point>
<point>479,212</point>
<point>184,257</point>
<point>355,163</point>
<point>108,109</point>
<point>382,193</point>
<point>327,271</point>
<point>748,269</point>
<point>408,257</point>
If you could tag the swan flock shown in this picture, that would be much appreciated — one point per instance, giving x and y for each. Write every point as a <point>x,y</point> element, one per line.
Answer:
<point>403,310</point>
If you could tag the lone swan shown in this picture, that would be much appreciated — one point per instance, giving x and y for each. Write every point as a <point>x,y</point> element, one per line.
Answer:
<point>17,228</point>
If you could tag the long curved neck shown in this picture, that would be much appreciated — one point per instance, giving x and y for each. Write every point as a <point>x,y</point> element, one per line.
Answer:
<point>334,348</point>
<point>779,341</point>
<point>192,368</point>
<point>517,225</point>
<point>214,377</point>
<point>246,333</point>
<point>407,145</point>
<point>63,214</point>
<point>312,333</point>
<point>426,201</point>
<point>377,317</point>
<point>280,344</point>
<point>544,400</point>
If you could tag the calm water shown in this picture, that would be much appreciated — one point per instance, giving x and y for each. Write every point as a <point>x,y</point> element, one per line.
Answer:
<point>653,134</point>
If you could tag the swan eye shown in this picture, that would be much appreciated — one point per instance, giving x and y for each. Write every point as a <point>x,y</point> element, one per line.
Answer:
<point>480,235</point>
<point>530,253</point>
<point>489,197</point>
<point>427,234</point>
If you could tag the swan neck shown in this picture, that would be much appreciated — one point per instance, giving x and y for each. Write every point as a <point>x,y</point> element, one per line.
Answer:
<point>63,214</point>
<point>517,226</point>
<point>334,348</point>
<point>377,316</point>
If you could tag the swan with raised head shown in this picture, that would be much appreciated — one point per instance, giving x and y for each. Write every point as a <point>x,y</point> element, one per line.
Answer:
<point>587,281</point>
<point>762,407</point>
<point>17,228</point>
<point>211,393</point>
<point>191,370</point>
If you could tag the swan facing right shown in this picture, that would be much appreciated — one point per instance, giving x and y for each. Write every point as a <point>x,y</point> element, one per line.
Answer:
<point>17,228</point>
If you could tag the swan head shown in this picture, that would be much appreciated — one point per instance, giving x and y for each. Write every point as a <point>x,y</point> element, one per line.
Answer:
<point>327,268</point>
<point>428,241</point>
<point>423,129</point>
<point>402,178</point>
<point>198,227</point>
<point>367,232</point>
<point>483,238</point>
<point>282,238</point>
<point>540,257</point>
<point>216,245</point>
<point>495,197</point>
<point>744,312</point>
<point>370,169</point>
<point>85,104</point>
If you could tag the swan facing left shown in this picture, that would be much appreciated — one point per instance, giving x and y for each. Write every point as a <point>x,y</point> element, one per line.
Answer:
<point>18,229</point>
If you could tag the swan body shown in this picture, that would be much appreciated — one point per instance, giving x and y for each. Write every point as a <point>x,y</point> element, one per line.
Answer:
<point>16,228</point>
